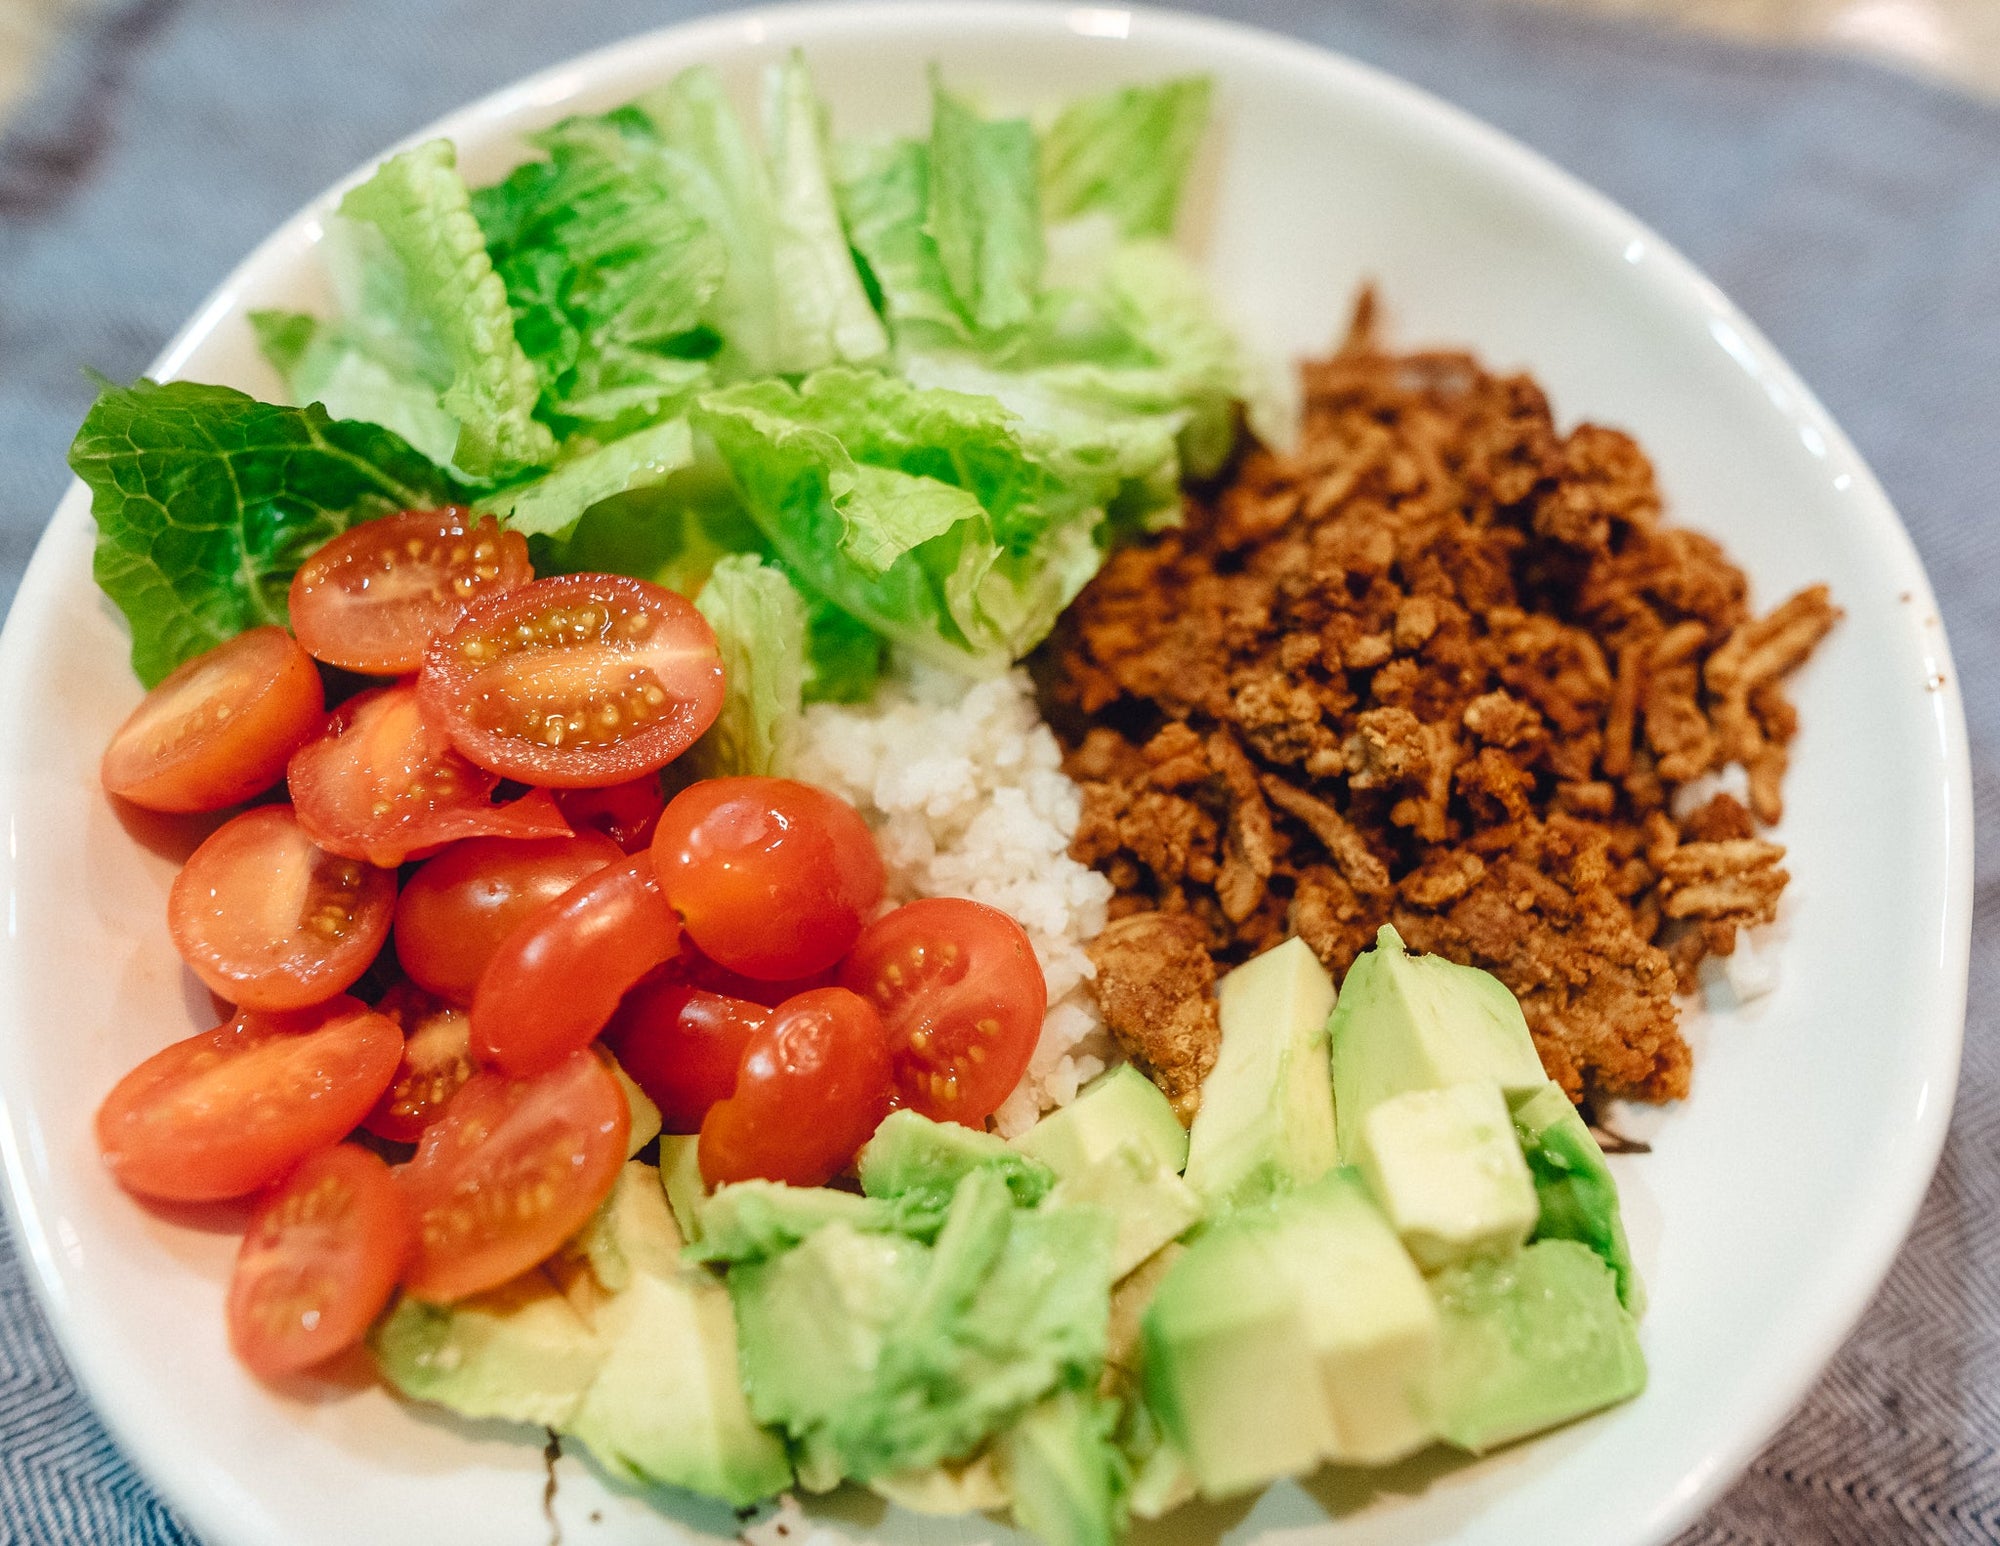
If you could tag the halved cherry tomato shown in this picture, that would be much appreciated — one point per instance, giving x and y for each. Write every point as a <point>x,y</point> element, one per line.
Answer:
<point>698,970</point>
<point>219,728</point>
<point>270,920</point>
<point>458,907</point>
<point>554,982</point>
<point>382,784</point>
<point>320,1259</point>
<point>773,878</point>
<point>510,1171</point>
<point>220,1114</point>
<point>625,813</point>
<point>581,680</point>
<point>437,1061</point>
<point>373,597</point>
<point>682,1046</point>
<point>813,1088</point>
<point>959,988</point>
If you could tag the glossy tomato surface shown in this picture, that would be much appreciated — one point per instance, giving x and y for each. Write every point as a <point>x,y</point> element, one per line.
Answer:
<point>457,908</point>
<point>376,595</point>
<point>813,1086</point>
<point>626,813</point>
<point>682,1045</point>
<point>772,877</point>
<point>219,728</point>
<point>962,996</point>
<point>512,1169</point>
<point>382,783</point>
<point>554,982</point>
<point>225,1112</point>
<point>581,680</point>
<point>323,1253</point>
<point>270,920</point>
<point>436,1063</point>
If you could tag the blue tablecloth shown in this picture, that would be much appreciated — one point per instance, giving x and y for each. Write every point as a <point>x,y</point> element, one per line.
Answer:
<point>1853,212</point>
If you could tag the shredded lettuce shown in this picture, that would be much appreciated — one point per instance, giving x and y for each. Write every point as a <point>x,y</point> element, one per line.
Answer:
<point>207,501</point>
<point>453,302</point>
<point>1125,154</point>
<point>759,620</point>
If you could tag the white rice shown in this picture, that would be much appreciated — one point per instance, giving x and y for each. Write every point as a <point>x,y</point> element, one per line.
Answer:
<point>964,787</point>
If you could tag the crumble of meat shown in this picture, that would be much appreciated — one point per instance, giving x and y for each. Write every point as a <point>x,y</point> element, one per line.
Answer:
<point>1156,984</point>
<point>1442,666</point>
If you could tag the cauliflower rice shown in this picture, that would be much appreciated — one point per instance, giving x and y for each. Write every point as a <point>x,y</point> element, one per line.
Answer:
<point>964,788</point>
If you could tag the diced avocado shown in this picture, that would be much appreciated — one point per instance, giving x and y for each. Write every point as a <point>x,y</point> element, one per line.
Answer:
<point>1148,1203</point>
<point>1447,1170</point>
<point>883,1353</point>
<point>1409,1022</point>
<point>1530,1341</point>
<point>1266,1118</point>
<point>1129,1300</point>
<point>1290,1334</point>
<point>645,1115</point>
<point>966,1487</point>
<point>680,1174</point>
<point>748,1220</point>
<point>519,1352</point>
<point>1161,1482</point>
<point>667,1405</point>
<point>913,1157</point>
<point>1117,1108</point>
<point>1578,1199</point>
<point>1067,1478</point>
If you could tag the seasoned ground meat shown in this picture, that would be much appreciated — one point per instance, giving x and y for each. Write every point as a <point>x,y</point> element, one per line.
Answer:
<point>1442,666</point>
<point>1156,984</point>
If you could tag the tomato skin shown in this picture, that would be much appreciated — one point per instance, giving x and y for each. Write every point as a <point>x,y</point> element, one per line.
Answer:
<point>958,986</point>
<point>556,980</point>
<point>382,784</point>
<point>697,969</point>
<point>576,681</point>
<point>219,728</point>
<point>626,813</point>
<point>510,1171</point>
<point>772,878</point>
<point>454,912</point>
<point>269,920</point>
<point>230,1110</point>
<point>682,1045</point>
<point>436,1063</point>
<point>372,598</point>
<point>814,1086</point>
<point>323,1253</point>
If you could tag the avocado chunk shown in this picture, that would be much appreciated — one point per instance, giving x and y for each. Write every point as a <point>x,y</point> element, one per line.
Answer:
<point>1447,1170</point>
<point>667,1405</point>
<point>519,1352</point>
<point>1266,1118</point>
<point>1291,1334</point>
<point>749,1220</point>
<point>1531,1340</point>
<point>920,1163</point>
<point>680,1174</point>
<point>1067,1478</point>
<point>1577,1198</point>
<point>884,1353</point>
<point>1115,1109</point>
<point>1148,1204</point>
<point>1409,1022</point>
<point>962,1487</point>
<point>645,1115</point>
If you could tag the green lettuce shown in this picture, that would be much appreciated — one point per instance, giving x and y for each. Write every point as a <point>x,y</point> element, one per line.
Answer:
<point>207,501</point>
<point>439,282</point>
<point>332,365</point>
<point>551,505</point>
<point>759,620</point>
<point>1125,154</point>
<point>983,216</point>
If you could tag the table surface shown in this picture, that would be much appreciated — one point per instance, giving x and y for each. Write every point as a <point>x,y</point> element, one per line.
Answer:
<point>1853,211</point>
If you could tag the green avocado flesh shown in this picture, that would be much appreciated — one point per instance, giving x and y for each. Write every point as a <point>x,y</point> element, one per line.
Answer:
<point>1576,1196</point>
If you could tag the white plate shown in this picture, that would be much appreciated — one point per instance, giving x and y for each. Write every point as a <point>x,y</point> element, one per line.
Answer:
<point>1771,1204</point>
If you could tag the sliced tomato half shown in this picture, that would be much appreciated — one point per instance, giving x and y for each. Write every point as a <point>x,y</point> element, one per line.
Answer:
<point>221,1114</point>
<point>268,919</point>
<point>383,784</point>
<point>437,1061</point>
<point>510,1171</point>
<point>577,681</point>
<point>377,594</point>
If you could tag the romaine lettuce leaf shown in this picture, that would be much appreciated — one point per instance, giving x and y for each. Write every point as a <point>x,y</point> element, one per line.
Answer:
<point>759,620</point>
<point>1125,153</point>
<point>329,364</point>
<point>454,302</point>
<point>551,505</point>
<point>844,655</point>
<point>984,211</point>
<point>885,199</point>
<point>207,501</point>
